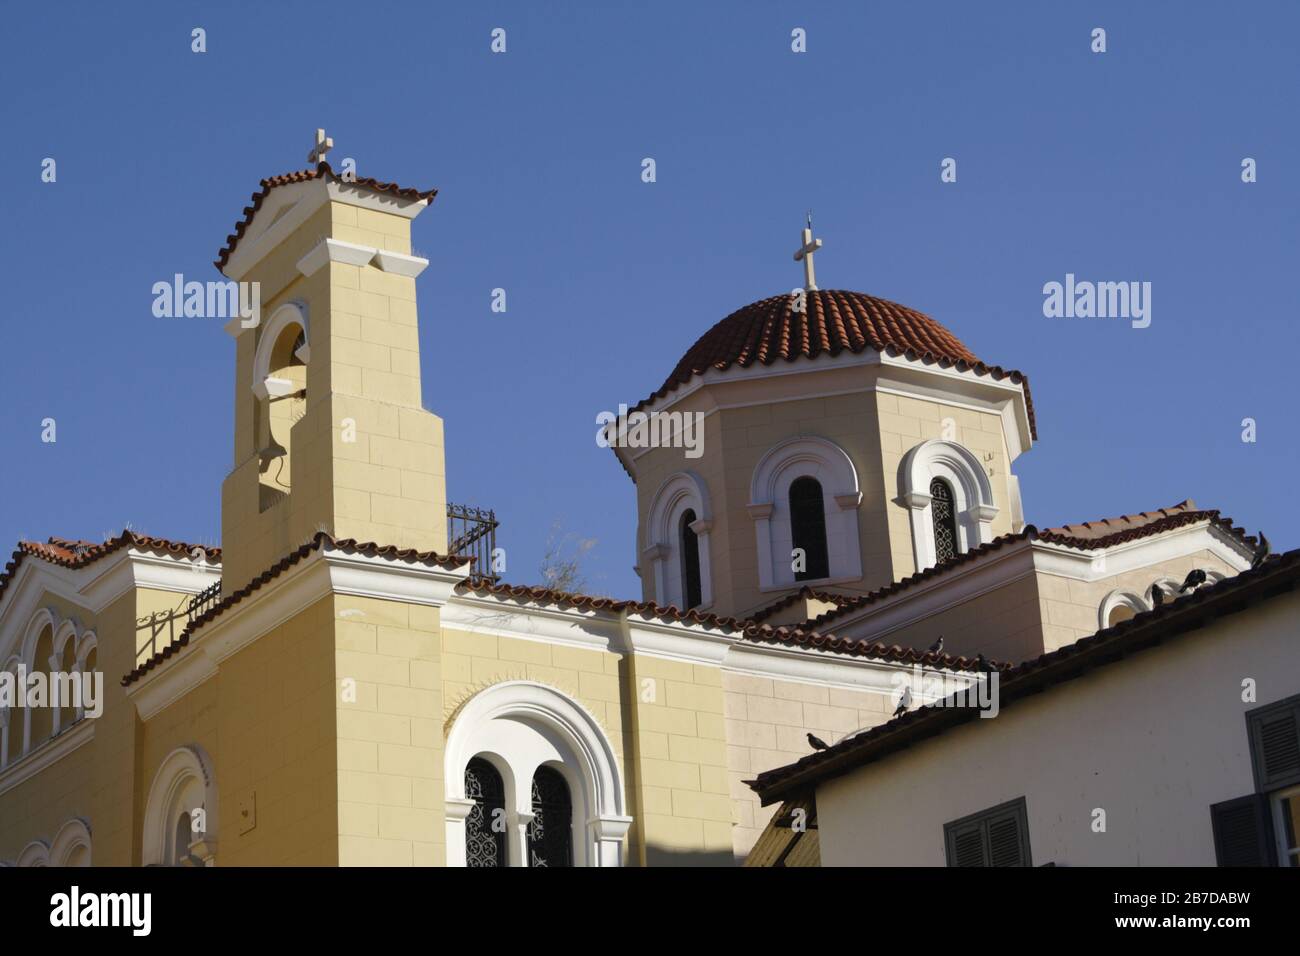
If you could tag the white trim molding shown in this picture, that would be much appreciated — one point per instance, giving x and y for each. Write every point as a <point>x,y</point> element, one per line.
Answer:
<point>183,784</point>
<point>769,506</point>
<point>1117,599</point>
<point>973,507</point>
<point>349,253</point>
<point>662,552</point>
<point>74,835</point>
<point>36,853</point>
<point>519,726</point>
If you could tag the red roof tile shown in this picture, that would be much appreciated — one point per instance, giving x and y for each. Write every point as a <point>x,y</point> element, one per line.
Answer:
<point>747,629</point>
<point>804,593</point>
<point>70,553</point>
<point>1089,536</point>
<point>321,541</point>
<point>833,322</point>
<point>1184,615</point>
<point>322,171</point>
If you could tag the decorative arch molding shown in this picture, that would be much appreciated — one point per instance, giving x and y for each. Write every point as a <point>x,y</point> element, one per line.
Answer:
<point>518,726</point>
<point>769,506</point>
<point>12,721</point>
<point>662,552</point>
<point>44,617</point>
<point>36,853</point>
<point>291,313</point>
<point>88,642</point>
<point>71,846</point>
<point>973,505</point>
<point>184,783</point>
<point>68,630</point>
<point>1120,599</point>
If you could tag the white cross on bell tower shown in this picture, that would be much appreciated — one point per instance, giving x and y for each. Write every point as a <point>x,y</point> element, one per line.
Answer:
<point>323,145</point>
<point>810,245</point>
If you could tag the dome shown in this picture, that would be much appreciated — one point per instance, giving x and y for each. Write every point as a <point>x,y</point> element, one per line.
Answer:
<point>834,322</point>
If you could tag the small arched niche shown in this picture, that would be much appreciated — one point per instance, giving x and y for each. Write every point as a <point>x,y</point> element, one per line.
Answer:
<point>280,388</point>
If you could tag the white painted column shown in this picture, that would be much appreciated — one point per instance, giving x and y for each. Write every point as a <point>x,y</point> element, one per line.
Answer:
<point>606,839</point>
<point>457,809</point>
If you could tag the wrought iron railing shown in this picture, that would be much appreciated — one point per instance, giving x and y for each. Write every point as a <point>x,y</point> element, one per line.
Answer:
<point>205,599</point>
<point>472,533</point>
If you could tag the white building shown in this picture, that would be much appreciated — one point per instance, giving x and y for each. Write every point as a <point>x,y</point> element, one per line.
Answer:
<point>1172,738</point>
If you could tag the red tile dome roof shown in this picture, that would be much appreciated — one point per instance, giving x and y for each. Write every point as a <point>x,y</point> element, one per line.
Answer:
<point>833,322</point>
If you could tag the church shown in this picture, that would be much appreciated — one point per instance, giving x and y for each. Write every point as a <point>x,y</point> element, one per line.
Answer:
<point>347,680</point>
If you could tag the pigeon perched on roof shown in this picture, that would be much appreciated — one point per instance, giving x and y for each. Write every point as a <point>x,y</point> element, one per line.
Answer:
<point>904,702</point>
<point>818,743</point>
<point>982,663</point>
<point>1157,595</point>
<point>1261,552</point>
<point>1195,578</point>
<point>937,646</point>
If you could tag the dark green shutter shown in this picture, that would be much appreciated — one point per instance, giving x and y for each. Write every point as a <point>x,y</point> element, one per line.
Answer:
<point>1243,832</point>
<point>1275,744</point>
<point>995,837</point>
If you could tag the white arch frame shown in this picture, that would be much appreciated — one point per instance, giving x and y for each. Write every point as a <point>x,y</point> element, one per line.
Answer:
<point>43,616</point>
<point>662,550</point>
<point>36,853</point>
<point>73,834</point>
<point>88,642</point>
<point>291,313</point>
<point>973,505</point>
<point>180,768</point>
<point>13,721</point>
<point>769,497</point>
<point>521,725</point>
<point>1119,598</point>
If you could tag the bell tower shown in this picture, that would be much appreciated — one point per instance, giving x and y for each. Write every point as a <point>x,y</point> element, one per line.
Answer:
<point>330,431</point>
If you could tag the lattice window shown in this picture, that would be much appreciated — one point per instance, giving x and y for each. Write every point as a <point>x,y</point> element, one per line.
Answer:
<point>550,835</point>
<point>808,528</point>
<point>944,520</point>
<point>690,561</point>
<point>485,837</point>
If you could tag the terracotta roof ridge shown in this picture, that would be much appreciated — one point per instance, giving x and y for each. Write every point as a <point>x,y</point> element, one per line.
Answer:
<point>746,627</point>
<point>1049,536</point>
<point>321,171</point>
<point>780,604</point>
<point>321,540</point>
<point>66,553</point>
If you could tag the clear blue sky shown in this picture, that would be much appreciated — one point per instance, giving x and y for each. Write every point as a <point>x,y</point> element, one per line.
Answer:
<point>1120,166</point>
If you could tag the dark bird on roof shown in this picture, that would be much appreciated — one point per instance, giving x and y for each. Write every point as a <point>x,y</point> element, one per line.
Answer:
<point>937,646</point>
<point>904,702</point>
<point>1195,578</point>
<point>818,743</point>
<point>982,663</point>
<point>1261,552</point>
<point>1157,595</point>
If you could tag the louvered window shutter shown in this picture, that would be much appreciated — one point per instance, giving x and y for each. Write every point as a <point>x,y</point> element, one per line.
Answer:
<point>994,837</point>
<point>1275,744</point>
<point>1243,832</point>
<point>1006,841</point>
<point>966,846</point>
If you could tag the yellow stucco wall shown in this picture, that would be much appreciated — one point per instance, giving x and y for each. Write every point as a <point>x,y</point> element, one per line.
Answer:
<point>767,723</point>
<point>366,457</point>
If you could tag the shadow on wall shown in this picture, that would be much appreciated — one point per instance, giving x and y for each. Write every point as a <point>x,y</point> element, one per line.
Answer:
<point>660,856</point>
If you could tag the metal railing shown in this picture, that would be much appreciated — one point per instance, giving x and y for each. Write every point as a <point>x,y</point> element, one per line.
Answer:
<point>472,533</point>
